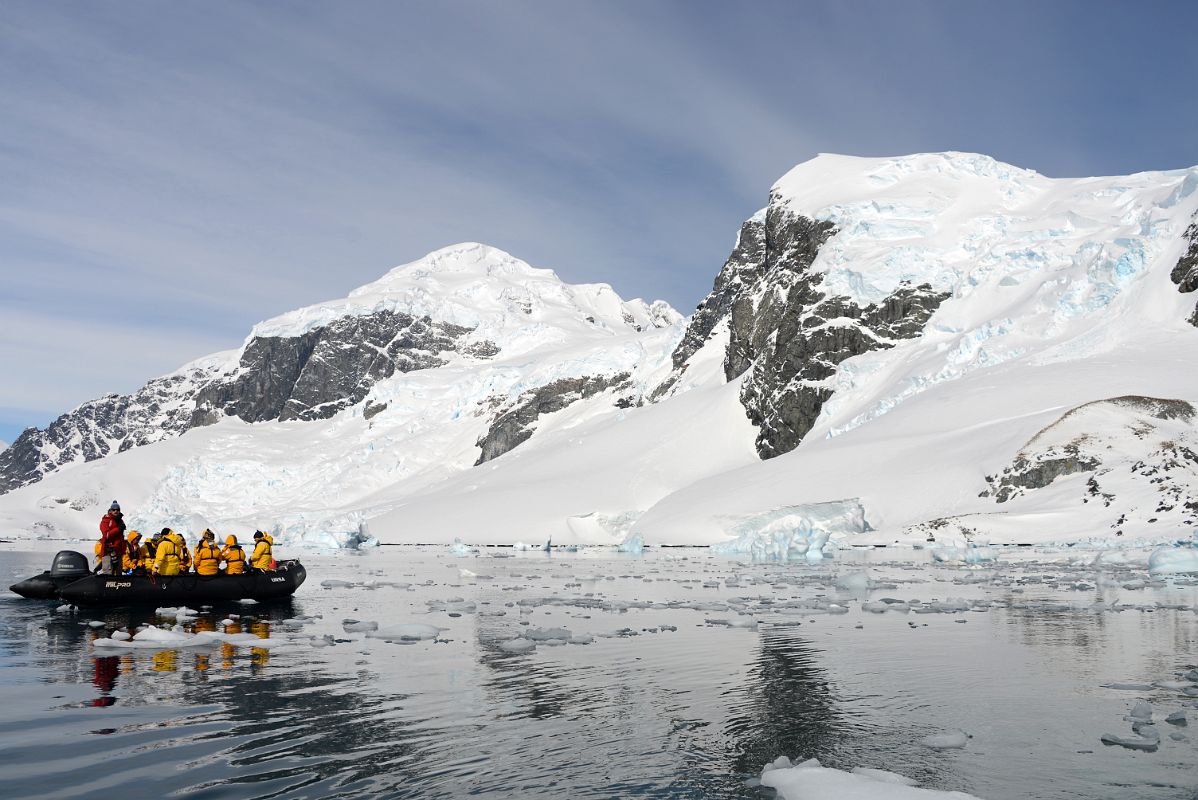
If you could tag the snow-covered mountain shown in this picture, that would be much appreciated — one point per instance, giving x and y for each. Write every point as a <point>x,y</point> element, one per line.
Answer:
<point>927,346</point>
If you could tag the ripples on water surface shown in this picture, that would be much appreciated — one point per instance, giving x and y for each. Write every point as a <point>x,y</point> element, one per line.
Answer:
<point>651,712</point>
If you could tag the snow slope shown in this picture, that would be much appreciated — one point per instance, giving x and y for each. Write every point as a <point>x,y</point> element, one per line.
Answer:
<point>1058,296</point>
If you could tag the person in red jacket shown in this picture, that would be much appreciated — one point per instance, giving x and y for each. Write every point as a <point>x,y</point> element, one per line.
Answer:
<point>112,537</point>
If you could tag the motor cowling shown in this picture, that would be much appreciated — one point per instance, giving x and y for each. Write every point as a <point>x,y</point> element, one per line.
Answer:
<point>69,563</point>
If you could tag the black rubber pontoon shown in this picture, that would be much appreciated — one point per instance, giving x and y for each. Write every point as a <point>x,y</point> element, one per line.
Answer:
<point>128,590</point>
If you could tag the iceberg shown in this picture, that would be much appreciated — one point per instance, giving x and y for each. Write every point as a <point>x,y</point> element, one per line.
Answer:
<point>1173,560</point>
<point>634,544</point>
<point>793,533</point>
<point>810,781</point>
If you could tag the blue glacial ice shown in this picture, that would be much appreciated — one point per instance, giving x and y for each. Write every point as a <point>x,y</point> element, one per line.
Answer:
<point>793,533</point>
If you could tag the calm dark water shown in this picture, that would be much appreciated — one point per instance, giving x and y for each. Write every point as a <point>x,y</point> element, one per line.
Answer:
<point>642,711</point>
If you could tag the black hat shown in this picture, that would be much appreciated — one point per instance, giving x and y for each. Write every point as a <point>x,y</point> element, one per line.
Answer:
<point>164,531</point>
<point>258,534</point>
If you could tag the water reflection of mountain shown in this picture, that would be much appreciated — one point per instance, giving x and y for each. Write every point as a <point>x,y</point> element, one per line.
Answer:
<point>786,706</point>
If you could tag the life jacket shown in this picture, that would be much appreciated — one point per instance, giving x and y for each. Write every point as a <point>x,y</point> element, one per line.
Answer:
<point>132,557</point>
<point>262,557</point>
<point>166,559</point>
<point>184,555</point>
<point>234,558</point>
<point>99,551</point>
<point>147,553</point>
<point>207,558</point>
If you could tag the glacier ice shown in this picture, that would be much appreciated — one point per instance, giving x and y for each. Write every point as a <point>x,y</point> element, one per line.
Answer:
<point>1173,560</point>
<point>790,533</point>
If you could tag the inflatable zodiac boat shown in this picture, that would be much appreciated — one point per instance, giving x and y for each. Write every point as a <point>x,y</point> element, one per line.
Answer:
<point>70,580</point>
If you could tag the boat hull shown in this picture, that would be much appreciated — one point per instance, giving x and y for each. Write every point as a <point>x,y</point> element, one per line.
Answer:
<point>131,590</point>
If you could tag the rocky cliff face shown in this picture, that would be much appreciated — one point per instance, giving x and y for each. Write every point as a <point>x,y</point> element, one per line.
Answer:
<point>786,331</point>
<point>1185,273</point>
<point>307,377</point>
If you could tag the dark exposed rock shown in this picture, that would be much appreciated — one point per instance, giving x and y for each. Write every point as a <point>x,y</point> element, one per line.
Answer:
<point>307,377</point>
<point>1038,473</point>
<point>740,271</point>
<point>786,331</point>
<point>1185,272</point>
<point>517,424</point>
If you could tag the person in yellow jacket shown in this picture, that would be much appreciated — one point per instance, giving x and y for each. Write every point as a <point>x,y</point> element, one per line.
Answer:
<point>148,550</point>
<point>131,561</point>
<point>184,554</point>
<point>167,557</point>
<point>99,555</point>
<point>233,556</point>
<point>263,557</point>
<point>207,554</point>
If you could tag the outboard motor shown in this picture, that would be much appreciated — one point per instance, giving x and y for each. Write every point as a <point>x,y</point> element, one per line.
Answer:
<point>67,567</point>
<point>69,564</point>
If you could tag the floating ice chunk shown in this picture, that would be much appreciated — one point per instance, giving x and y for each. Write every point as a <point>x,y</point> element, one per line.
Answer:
<point>853,581</point>
<point>810,781</point>
<point>467,574</point>
<point>334,583</point>
<point>584,638</point>
<point>1130,687</point>
<point>1131,742</point>
<point>1141,712</point>
<point>518,645</point>
<point>947,740</point>
<point>411,631</point>
<point>95,623</point>
<point>356,626</point>
<point>65,609</point>
<point>458,549</point>
<point>543,634</point>
<point>743,622</point>
<point>247,601</point>
<point>1173,560</point>
<point>1176,718</point>
<point>123,636</point>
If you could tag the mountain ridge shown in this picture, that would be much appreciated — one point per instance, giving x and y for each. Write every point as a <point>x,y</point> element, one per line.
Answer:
<point>882,327</point>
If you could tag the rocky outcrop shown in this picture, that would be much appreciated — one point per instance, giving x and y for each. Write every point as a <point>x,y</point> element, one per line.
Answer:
<point>1140,456</point>
<point>307,377</point>
<point>786,332</point>
<point>328,369</point>
<point>159,410</point>
<point>517,424</point>
<point>1185,272</point>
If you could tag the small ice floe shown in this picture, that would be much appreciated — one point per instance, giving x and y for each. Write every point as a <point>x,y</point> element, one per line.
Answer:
<point>356,626</point>
<point>517,645</point>
<point>953,739</point>
<point>545,634</point>
<point>1140,712</point>
<point>406,632</point>
<point>325,641</point>
<point>334,583</point>
<point>95,623</point>
<point>1149,743</point>
<point>228,621</point>
<point>1130,687</point>
<point>458,549</point>
<point>124,636</point>
<point>1177,718</point>
<point>884,605</point>
<point>247,601</point>
<point>467,574</point>
<point>67,609</point>
<point>180,614</point>
<point>809,780</point>
<point>151,638</point>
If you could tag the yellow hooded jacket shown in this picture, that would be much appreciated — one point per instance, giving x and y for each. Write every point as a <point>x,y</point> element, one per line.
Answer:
<point>167,559</point>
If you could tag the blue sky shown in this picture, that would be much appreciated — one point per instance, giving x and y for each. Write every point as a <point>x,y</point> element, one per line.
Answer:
<point>171,173</point>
